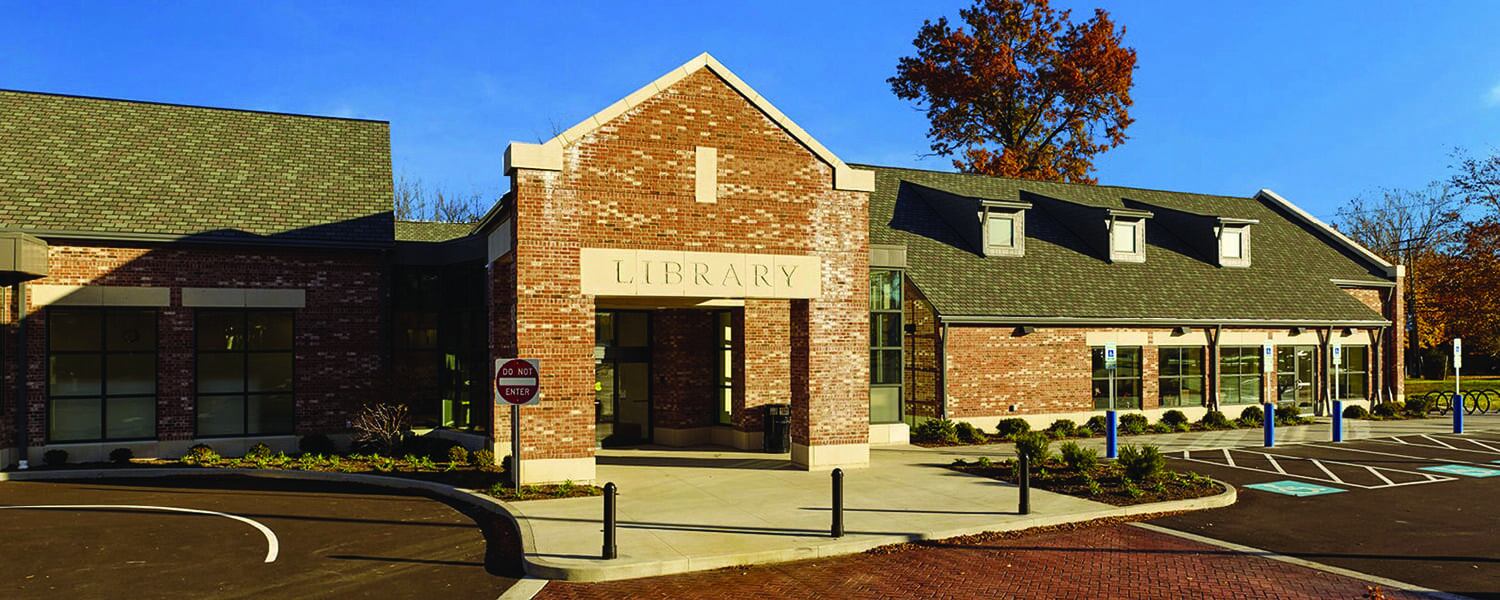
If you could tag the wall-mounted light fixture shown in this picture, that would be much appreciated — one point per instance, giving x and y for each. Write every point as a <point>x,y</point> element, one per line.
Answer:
<point>1184,330</point>
<point>1348,331</point>
<point>1025,330</point>
<point>1296,331</point>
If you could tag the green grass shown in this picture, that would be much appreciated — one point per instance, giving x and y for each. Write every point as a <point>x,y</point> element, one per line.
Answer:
<point>1422,386</point>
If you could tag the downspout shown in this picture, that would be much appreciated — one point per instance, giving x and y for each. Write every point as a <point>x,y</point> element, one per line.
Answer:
<point>1377,358</point>
<point>18,294</point>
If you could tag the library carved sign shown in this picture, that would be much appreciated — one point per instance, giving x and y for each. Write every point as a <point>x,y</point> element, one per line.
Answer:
<point>617,272</point>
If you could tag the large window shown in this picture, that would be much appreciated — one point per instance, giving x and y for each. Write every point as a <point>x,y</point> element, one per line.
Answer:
<point>245,372</point>
<point>885,346</point>
<point>101,374</point>
<point>1127,377</point>
<point>1239,375</point>
<point>724,332</point>
<point>1354,374</point>
<point>1181,375</point>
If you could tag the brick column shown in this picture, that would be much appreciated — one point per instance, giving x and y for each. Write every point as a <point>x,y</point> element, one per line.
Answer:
<point>1396,349</point>
<point>554,322</point>
<point>830,349</point>
<point>766,361</point>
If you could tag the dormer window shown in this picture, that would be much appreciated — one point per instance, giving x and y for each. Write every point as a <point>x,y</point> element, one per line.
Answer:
<point>1127,235</point>
<point>1234,242</point>
<point>1004,228</point>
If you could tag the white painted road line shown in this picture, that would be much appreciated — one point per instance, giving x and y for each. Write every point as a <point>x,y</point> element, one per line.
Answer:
<point>524,589</point>
<point>1243,549</point>
<point>1492,449</point>
<point>1400,442</point>
<point>1439,442</point>
<point>1320,464</point>
<point>273,547</point>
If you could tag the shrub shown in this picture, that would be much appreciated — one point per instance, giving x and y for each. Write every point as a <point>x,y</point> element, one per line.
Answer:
<point>1010,428</point>
<point>458,455</point>
<point>969,434</point>
<point>1160,428</point>
<point>201,454</point>
<point>1142,462</point>
<point>1385,409</point>
<point>1062,428</point>
<point>1252,415</point>
<point>1215,420</point>
<point>1173,418</point>
<point>55,458</point>
<point>1355,411</point>
<point>1034,445</point>
<point>1416,406</point>
<point>260,451</point>
<point>936,430</point>
<point>316,443</point>
<point>121,456</point>
<point>1287,414</point>
<point>1078,457</point>
<point>1133,423</point>
<point>1096,424</point>
<point>382,426</point>
<point>482,458</point>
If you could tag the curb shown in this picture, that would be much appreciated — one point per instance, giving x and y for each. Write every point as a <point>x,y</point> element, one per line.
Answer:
<point>549,569</point>
<point>471,498</point>
<point>544,568</point>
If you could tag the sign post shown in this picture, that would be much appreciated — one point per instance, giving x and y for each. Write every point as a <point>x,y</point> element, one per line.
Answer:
<point>1458,393</point>
<point>517,381</point>
<point>1336,354</point>
<point>1112,422</point>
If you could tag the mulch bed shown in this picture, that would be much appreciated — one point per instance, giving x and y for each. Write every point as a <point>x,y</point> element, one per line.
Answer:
<point>1112,487</point>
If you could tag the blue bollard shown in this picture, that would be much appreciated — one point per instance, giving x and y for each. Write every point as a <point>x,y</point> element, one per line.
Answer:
<point>1338,420</point>
<point>1270,424</point>
<point>1111,435</point>
<point>1458,413</point>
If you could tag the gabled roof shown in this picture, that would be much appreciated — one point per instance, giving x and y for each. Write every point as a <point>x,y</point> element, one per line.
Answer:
<point>1296,272</point>
<point>548,155</point>
<point>98,168</point>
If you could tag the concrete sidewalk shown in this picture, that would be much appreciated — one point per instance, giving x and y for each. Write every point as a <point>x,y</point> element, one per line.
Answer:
<point>691,510</point>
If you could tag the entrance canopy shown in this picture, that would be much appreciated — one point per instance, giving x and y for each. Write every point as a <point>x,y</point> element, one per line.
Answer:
<point>22,258</point>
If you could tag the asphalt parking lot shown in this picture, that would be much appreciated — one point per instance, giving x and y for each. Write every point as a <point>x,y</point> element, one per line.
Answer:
<point>240,537</point>
<point>1420,509</point>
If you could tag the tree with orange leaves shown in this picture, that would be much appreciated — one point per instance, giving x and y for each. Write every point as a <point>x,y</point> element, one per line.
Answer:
<point>1022,91</point>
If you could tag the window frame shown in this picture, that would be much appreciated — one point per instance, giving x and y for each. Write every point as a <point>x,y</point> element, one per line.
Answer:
<point>1101,402</point>
<point>1017,246</point>
<point>103,353</point>
<point>245,392</point>
<point>1259,373</point>
<point>1162,376</point>
<point>877,349</point>
<point>1138,239</point>
<point>1363,372</point>
<point>723,349</point>
<point>1243,231</point>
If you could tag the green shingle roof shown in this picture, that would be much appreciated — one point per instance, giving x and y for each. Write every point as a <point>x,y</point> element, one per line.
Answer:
<point>431,231</point>
<point>1065,271</point>
<point>121,168</point>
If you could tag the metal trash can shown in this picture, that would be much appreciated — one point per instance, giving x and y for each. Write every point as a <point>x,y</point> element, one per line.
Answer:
<point>778,428</point>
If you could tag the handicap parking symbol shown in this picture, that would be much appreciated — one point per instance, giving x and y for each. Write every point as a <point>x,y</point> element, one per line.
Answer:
<point>1465,470</point>
<point>1294,488</point>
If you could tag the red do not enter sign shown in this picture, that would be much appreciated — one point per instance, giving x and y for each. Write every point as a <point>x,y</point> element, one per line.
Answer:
<point>517,381</point>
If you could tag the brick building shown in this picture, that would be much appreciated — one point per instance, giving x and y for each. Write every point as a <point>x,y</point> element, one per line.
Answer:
<point>676,262</point>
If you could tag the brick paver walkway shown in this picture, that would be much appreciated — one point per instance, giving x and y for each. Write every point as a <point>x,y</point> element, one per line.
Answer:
<point>1103,561</point>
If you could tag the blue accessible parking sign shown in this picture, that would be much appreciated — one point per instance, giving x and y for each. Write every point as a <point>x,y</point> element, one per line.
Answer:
<point>1294,488</point>
<point>1465,470</point>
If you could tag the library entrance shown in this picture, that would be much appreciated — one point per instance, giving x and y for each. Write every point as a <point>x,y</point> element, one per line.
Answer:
<point>622,377</point>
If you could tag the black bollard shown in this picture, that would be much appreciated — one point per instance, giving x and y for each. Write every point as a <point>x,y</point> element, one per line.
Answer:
<point>838,503</point>
<point>1025,480</point>
<point>609,521</point>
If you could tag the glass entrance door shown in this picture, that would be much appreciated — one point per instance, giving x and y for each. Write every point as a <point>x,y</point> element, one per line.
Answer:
<point>622,378</point>
<point>1294,376</point>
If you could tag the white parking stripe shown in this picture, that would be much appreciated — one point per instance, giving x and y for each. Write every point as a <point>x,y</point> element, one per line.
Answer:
<point>1382,477</point>
<point>1229,458</point>
<point>1322,465</point>
<point>1398,441</point>
<point>1330,474</point>
<point>1274,464</point>
<point>1470,440</point>
<point>1439,442</point>
<point>273,547</point>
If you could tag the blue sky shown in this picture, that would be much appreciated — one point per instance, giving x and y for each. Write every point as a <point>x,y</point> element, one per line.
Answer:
<point>1319,101</point>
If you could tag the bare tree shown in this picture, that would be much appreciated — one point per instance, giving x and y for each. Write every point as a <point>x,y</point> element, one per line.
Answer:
<point>1478,179</point>
<point>413,201</point>
<point>1407,227</point>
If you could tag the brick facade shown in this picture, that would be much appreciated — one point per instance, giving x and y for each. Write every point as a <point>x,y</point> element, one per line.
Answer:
<point>339,358</point>
<point>630,183</point>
